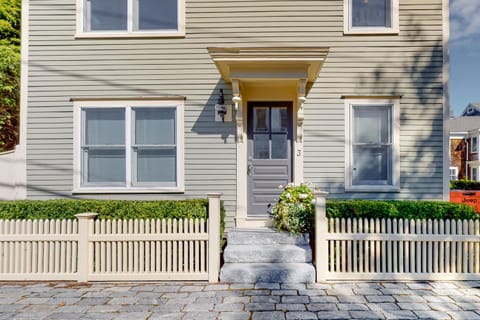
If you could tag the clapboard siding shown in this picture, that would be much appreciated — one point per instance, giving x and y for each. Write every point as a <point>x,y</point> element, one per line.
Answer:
<point>409,64</point>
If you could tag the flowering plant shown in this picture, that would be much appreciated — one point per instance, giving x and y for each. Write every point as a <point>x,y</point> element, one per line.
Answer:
<point>295,209</point>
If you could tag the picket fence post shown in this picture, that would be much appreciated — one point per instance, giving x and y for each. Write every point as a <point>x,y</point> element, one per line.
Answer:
<point>213,236</point>
<point>85,230</point>
<point>321,230</point>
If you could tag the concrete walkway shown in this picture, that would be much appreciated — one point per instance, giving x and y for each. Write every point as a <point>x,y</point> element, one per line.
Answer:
<point>173,300</point>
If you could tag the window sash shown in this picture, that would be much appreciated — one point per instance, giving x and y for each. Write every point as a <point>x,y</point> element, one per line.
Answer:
<point>355,22</point>
<point>474,174</point>
<point>133,16</point>
<point>475,142</point>
<point>453,173</point>
<point>131,151</point>
<point>365,151</point>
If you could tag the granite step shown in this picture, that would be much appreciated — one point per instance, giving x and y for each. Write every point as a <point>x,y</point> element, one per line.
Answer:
<point>267,272</point>
<point>264,236</point>
<point>286,253</point>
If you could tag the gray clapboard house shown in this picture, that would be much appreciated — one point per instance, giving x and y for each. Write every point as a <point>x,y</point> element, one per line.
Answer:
<point>123,99</point>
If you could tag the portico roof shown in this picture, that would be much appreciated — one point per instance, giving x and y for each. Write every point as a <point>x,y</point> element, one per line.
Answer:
<point>250,63</point>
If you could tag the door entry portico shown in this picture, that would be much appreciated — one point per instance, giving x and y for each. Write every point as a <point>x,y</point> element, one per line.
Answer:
<point>269,154</point>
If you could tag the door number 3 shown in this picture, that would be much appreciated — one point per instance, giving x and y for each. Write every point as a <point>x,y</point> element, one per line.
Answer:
<point>299,153</point>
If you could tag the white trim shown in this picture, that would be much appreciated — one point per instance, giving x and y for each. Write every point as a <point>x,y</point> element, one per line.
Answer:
<point>21,148</point>
<point>395,105</point>
<point>446,98</point>
<point>349,30</point>
<point>130,33</point>
<point>128,104</point>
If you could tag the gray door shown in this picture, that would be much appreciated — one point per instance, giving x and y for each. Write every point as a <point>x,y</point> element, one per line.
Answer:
<point>269,153</point>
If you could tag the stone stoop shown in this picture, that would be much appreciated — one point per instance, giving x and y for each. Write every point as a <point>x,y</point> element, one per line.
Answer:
<point>267,255</point>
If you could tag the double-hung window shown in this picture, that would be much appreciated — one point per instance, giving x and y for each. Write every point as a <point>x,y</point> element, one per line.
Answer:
<point>131,17</point>
<point>371,16</point>
<point>372,162</point>
<point>453,173</point>
<point>474,144</point>
<point>474,174</point>
<point>127,146</point>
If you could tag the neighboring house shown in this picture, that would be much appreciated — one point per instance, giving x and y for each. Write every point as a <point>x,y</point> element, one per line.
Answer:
<point>473,109</point>
<point>465,145</point>
<point>122,99</point>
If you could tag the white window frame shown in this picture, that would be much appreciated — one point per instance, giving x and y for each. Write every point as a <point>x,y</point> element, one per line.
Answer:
<point>455,170</point>
<point>394,104</point>
<point>349,29</point>
<point>474,146</point>
<point>81,33</point>
<point>129,105</point>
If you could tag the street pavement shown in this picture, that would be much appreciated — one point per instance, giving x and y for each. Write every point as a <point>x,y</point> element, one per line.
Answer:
<point>180,300</point>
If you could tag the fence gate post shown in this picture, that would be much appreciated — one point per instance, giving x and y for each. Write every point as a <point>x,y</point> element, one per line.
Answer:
<point>321,229</point>
<point>84,255</point>
<point>213,236</point>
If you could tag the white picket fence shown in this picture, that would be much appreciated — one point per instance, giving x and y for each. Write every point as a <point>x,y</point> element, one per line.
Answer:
<point>391,249</point>
<point>109,250</point>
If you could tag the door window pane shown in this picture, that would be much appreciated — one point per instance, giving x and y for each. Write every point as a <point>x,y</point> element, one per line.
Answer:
<point>261,119</point>
<point>105,166</point>
<point>157,165</point>
<point>371,13</point>
<point>261,146</point>
<point>105,126</point>
<point>157,14</point>
<point>371,125</point>
<point>154,126</point>
<point>370,165</point>
<point>279,120</point>
<point>108,15</point>
<point>279,146</point>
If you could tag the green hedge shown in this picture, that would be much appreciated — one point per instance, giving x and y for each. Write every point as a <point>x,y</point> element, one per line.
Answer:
<point>464,185</point>
<point>399,209</point>
<point>107,209</point>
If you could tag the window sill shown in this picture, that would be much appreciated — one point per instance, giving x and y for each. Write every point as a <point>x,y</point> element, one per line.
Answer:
<point>126,191</point>
<point>371,32</point>
<point>372,189</point>
<point>114,35</point>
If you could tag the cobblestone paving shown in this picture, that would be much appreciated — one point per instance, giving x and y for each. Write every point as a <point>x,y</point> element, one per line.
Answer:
<point>173,300</point>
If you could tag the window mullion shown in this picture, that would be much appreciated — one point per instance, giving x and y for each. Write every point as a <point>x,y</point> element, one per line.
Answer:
<point>130,16</point>
<point>128,146</point>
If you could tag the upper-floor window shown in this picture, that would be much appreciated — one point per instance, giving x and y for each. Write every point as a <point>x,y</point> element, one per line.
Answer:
<point>371,16</point>
<point>131,18</point>
<point>474,144</point>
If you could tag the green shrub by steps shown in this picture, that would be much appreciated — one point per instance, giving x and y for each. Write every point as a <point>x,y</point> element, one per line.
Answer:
<point>106,209</point>
<point>399,209</point>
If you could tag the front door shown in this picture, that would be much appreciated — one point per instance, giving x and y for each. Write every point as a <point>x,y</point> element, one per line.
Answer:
<point>269,154</point>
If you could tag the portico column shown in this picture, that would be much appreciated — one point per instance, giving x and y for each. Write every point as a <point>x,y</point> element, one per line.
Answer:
<point>237,100</point>
<point>298,156</point>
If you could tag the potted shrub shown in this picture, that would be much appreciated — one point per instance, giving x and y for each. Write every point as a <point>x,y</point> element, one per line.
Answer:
<point>295,208</point>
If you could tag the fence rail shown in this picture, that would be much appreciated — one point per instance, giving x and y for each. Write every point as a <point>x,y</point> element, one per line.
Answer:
<point>106,250</point>
<point>381,249</point>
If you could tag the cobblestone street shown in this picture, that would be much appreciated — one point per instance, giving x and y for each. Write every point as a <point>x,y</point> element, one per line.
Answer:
<point>173,300</point>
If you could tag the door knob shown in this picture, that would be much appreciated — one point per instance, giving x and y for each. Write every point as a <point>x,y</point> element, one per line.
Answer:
<point>249,169</point>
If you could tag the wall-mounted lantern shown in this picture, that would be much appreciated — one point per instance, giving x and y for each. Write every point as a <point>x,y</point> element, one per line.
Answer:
<point>223,112</point>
